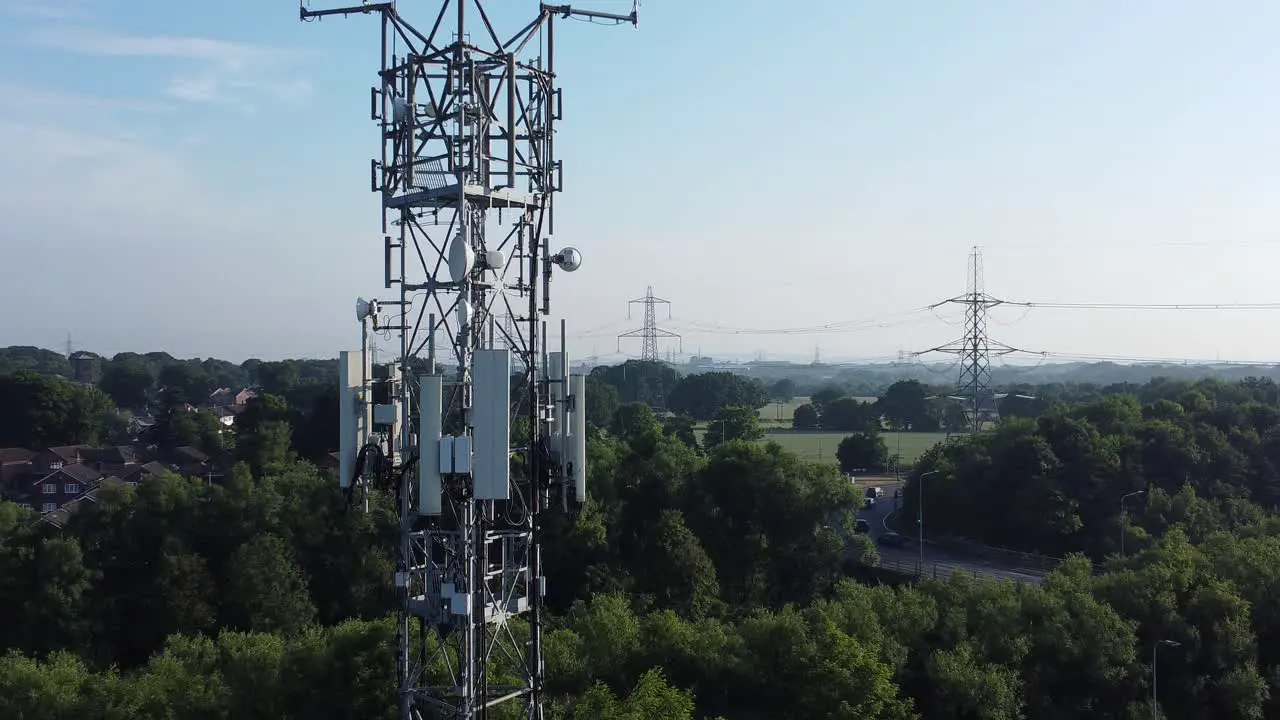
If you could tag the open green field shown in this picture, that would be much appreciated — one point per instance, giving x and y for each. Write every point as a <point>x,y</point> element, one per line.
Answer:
<point>820,446</point>
<point>780,414</point>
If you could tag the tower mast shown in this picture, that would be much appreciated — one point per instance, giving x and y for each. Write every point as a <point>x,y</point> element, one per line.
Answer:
<point>466,176</point>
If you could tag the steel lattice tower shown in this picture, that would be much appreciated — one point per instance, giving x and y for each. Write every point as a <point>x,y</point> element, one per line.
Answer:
<point>650,333</point>
<point>466,176</point>
<point>973,388</point>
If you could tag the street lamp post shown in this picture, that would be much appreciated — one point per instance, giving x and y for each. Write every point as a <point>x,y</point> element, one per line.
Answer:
<point>1122,515</point>
<point>1155,675</point>
<point>920,518</point>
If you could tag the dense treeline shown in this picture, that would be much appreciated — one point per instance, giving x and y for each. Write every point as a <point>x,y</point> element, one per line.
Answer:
<point>702,580</point>
<point>1055,484</point>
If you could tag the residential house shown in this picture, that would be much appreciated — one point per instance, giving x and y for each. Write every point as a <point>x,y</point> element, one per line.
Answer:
<point>144,472</point>
<point>116,460</point>
<point>191,462</point>
<point>49,491</point>
<point>60,516</point>
<point>55,458</point>
<point>141,424</point>
<point>231,399</point>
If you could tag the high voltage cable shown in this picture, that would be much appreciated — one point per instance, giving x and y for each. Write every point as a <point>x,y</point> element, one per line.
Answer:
<point>1095,357</point>
<point>1146,306</point>
<point>706,328</point>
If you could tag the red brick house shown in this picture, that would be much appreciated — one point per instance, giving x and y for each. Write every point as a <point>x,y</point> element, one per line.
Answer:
<point>55,458</point>
<point>116,460</point>
<point>47,492</point>
<point>231,399</point>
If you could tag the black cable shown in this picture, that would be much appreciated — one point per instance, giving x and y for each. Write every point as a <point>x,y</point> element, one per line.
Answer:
<point>361,459</point>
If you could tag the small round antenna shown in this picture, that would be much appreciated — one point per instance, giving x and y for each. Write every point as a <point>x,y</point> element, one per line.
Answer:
<point>568,259</point>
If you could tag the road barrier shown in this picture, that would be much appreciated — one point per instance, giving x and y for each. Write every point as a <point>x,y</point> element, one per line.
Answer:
<point>943,570</point>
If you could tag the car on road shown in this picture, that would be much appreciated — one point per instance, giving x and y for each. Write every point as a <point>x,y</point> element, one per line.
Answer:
<point>868,503</point>
<point>862,526</point>
<point>875,492</point>
<point>893,540</point>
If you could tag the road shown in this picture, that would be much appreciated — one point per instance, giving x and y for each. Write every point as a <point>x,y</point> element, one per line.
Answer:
<point>935,561</point>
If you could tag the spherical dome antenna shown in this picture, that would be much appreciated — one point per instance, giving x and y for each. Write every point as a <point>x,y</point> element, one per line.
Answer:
<point>568,259</point>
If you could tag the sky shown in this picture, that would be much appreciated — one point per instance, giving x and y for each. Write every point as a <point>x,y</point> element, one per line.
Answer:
<point>193,177</point>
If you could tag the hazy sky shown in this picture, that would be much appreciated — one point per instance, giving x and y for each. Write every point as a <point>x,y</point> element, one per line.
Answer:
<point>193,177</point>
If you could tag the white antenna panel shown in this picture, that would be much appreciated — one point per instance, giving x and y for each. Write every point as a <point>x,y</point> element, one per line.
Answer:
<point>491,413</point>
<point>430,498</point>
<point>578,438</point>
<point>350,420</point>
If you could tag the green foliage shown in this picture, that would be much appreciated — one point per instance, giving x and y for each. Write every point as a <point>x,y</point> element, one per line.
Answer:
<point>43,411</point>
<point>692,584</point>
<point>703,395</point>
<point>863,452</point>
<point>733,422</point>
<point>805,417</point>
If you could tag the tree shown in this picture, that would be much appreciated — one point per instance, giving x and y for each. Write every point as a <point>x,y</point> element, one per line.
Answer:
<point>633,420</point>
<point>639,381</point>
<point>805,417</point>
<point>826,396</point>
<point>783,390</point>
<point>681,427</point>
<point>675,568</point>
<point>602,402</point>
<point>277,378</point>
<point>42,411</point>
<point>189,379</point>
<point>848,415</point>
<point>863,452</point>
<point>267,591</point>
<point>127,383</point>
<point>733,422</point>
<point>905,406</point>
<point>701,395</point>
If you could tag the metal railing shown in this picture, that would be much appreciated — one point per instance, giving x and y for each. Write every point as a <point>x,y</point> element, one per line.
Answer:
<point>914,569</point>
<point>1013,559</point>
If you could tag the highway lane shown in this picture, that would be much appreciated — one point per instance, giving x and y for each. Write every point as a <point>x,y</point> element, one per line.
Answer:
<point>936,562</point>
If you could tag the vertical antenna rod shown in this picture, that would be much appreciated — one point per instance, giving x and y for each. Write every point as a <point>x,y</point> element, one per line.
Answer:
<point>466,175</point>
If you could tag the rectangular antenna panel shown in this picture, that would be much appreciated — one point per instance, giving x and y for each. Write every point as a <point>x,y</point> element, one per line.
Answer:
<point>444,455</point>
<point>350,377</point>
<point>556,394</point>
<point>578,438</point>
<point>491,414</point>
<point>431,389</point>
<point>459,454</point>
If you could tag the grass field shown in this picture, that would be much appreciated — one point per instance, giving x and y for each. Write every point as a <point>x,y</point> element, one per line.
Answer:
<point>780,414</point>
<point>822,446</point>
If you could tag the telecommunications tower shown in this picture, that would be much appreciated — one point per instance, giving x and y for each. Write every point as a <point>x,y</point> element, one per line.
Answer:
<point>973,388</point>
<point>650,333</point>
<point>466,177</point>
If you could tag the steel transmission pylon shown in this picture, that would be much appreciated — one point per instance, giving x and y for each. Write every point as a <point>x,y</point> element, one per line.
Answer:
<point>466,176</point>
<point>650,333</point>
<point>973,388</point>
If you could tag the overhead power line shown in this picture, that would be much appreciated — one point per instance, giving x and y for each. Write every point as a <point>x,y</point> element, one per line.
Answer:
<point>1146,306</point>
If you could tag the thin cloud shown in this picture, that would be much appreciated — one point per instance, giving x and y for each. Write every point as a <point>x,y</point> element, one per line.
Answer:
<point>222,73</point>
<point>61,10</point>
<point>22,100</point>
